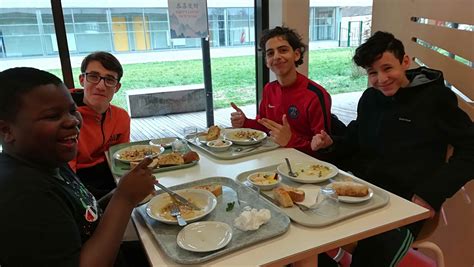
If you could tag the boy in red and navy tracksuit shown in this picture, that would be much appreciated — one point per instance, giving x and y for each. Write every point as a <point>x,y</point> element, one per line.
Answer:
<point>293,108</point>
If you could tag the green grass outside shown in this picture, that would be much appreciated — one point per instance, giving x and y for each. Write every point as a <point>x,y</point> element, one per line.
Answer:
<point>233,78</point>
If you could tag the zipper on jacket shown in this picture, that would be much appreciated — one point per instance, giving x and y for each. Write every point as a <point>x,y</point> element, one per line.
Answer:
<point>102,127</point>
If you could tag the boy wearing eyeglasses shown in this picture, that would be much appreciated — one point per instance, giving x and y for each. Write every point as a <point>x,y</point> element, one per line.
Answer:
<point>104,124</point>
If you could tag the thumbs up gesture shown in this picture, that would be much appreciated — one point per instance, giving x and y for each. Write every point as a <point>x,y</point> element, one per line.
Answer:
<point>279,133</point>
<point>237,118</point>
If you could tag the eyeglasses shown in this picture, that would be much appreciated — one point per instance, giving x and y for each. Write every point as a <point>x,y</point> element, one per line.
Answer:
<point>95,78</point>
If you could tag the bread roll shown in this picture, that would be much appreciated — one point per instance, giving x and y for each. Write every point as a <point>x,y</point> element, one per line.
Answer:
<point>282,196</point>
<point>213,133</point>
<point>350,189</point>
<point>295,194</point>
<point>216,189</point>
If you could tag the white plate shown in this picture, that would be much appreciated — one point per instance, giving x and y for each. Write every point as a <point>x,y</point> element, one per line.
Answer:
<point>234,136</point>
<point>204,236</point>
<point>157,150</point>
<point>164,142</point>
<point>200,197</point>
<point>348,199</point>
<point>305,174</point>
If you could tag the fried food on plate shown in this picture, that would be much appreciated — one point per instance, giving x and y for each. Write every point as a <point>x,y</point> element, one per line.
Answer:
<point>350,189</point>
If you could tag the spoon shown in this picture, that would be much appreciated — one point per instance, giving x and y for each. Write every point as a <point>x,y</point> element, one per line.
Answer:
<point>290,172</point>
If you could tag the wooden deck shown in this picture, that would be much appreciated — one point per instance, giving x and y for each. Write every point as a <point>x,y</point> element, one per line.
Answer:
<point>344,106</point>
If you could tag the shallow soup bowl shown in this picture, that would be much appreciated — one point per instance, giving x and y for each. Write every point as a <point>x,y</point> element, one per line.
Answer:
<point>264,180</point>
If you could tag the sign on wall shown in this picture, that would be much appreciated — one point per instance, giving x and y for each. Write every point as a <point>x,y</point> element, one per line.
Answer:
<point>188,18</point>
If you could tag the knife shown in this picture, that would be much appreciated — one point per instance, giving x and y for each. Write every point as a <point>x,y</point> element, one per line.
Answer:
<point>179,198</point>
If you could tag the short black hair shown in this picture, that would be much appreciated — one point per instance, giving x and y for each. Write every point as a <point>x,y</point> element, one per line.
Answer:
<point>370,51</point>
<point>16,82</point>
<point>106,59</point>
<point>290,35</point>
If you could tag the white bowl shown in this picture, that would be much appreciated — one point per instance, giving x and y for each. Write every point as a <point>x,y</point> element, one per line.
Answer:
<point>157,206</point>
<point>308,172</point>
<point>204,236</point>
<point>219,145</point>
<point>264,180</point>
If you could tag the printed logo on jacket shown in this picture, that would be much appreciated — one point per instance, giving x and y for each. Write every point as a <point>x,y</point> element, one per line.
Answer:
<point>293,112</point>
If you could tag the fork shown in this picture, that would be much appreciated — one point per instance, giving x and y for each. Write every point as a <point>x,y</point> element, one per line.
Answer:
<point>174,211</point>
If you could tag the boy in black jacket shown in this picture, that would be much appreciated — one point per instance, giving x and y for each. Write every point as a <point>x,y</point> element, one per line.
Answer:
<point>399,140</point>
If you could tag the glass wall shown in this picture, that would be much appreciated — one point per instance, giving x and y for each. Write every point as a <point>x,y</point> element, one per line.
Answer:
<point>322,23</point>
<point>114,30</point>
<point>91,30</point>
<point>27,35</point>
<point>20,33</point>
<point>240,26</point>
<point>217,22</point>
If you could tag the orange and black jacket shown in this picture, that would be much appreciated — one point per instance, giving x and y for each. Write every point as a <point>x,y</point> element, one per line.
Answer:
<point>99,132</point>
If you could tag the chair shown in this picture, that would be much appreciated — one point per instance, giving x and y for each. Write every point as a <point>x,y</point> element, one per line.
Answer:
<point>422,241</point>
<point>413,257</point>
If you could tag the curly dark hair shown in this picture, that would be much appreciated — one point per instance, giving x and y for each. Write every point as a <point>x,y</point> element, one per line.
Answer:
<point>290,35</point>
<point>106,59</point>
<point>370,51</point>
<point>16,82</point>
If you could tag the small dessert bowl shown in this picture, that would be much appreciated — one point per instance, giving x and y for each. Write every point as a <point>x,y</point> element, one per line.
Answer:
<point>219,145</point>
<point>264,180</point>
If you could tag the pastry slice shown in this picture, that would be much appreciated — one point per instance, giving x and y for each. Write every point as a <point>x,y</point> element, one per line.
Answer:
<point>170,159</point>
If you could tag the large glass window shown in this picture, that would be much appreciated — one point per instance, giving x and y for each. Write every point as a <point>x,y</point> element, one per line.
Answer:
<point>23,39</point>
<point>140,38</point>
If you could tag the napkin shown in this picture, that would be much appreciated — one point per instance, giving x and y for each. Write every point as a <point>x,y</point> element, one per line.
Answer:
<point>311,192</point>
<point>252,219</point>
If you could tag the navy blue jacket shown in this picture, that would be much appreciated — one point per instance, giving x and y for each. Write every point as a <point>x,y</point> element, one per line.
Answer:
<point>399,142</point>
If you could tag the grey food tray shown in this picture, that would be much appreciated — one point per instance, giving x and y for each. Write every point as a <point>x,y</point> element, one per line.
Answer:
<point>120,168</point>
<point>311,219</point>
<point>166,234</point>
<point>265,145</point>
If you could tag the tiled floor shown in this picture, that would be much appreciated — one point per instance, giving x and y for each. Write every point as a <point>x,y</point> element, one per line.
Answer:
<point>343,105</point>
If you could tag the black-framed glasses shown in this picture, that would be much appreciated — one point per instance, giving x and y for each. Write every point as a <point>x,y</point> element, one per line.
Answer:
<point>95,78</point>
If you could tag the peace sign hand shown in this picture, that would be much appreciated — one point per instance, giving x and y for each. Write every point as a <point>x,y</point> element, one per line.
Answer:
<point>279,133</point>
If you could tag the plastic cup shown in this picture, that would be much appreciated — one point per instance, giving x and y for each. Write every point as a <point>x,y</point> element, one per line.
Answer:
<point>179,146</point>
<point>329,203</point>
<point>189,133</point>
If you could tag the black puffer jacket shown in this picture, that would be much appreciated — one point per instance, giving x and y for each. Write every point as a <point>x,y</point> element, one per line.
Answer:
<point>399,143</point>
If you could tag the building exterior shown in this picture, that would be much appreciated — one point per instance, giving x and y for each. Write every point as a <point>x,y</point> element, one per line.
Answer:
<point>123,26</point>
